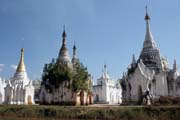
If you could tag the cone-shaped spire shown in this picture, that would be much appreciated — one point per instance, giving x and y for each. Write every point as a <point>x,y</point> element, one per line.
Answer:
<point>133,59</point>
<point>64,57</point>
<point>133,64</point>
<point>147,16</point>
<point>20,86</point>
<point>74,51</point>
<point>175,66</point>
<point>21,66</point>
<point>75,60</point>
<point>105,72</point>
<point>64,36</point>
<point>150,53</point>
<point>149,40</point>
<point>105,69</point>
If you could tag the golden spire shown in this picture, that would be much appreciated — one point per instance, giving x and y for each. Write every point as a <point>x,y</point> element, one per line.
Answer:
<point>21,66</point>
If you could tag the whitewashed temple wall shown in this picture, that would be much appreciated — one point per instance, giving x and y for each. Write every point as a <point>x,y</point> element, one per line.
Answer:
<point>107,94</point>
<point>2,86</point>
<point>138,84</point>
<point>63,94</point>
<point>161,88</point>
<point>100,93</point>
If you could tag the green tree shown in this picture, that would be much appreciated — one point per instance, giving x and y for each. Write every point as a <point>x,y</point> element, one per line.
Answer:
<point>80,78</point>
<point>54,74</point>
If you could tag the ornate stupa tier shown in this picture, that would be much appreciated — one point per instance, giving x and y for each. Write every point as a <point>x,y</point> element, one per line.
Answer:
<point>149,42</point>
<point>64,57</point>
<point>150,53</point>
<point>75,60</point>
<point>20,76</point>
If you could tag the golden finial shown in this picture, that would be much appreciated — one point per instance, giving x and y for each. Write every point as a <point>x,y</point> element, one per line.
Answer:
<point>21,66</point>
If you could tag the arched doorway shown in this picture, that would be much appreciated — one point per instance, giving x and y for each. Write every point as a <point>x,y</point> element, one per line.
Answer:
<point>82,98</point>
<point>43,99</point>
<point>97,98</point>
<point>140,94</point>
<point>111,97</point>
<point>119,100</point>
<point>29,100</point>
<point>7,100</point>
<point>90,99</point>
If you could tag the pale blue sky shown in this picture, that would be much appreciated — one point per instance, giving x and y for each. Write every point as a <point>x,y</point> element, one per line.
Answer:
<point>105,31</point>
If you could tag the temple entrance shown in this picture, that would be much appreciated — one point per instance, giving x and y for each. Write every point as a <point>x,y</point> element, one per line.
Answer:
<point>90,99</point>
<point>119,100</point>
<point>82,98</point>
<point>29,100</point>
<point>111,97</point>
<point>43,98</point>
<point>140,95</point>
<point>7,100</point>
<point>97,98</point>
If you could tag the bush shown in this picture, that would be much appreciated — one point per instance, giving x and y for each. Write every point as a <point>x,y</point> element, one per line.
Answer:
<point>168,100</point>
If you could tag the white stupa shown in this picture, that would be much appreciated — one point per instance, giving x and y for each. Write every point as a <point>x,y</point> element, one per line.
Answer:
<point>19,89</point>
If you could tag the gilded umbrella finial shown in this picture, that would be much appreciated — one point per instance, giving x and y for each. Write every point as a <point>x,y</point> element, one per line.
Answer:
<point>21,66</point>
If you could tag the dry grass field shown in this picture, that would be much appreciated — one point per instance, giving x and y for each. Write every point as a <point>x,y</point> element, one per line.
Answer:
<point>108,112</point>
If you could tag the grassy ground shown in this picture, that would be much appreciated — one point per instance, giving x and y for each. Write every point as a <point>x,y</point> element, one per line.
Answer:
<point>14,112</point>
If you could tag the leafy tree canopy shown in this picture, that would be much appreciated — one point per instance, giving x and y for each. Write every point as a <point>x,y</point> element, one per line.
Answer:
<point>80,78</point>
<point>54,74</point>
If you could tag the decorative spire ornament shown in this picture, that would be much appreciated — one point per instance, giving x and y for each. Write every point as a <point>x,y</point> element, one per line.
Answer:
<point>63,57</point>
<point>21,66</point>
<point>149,40</point>
<point>64,36</point>
<point>74,51</point>
<point>147,16</point>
